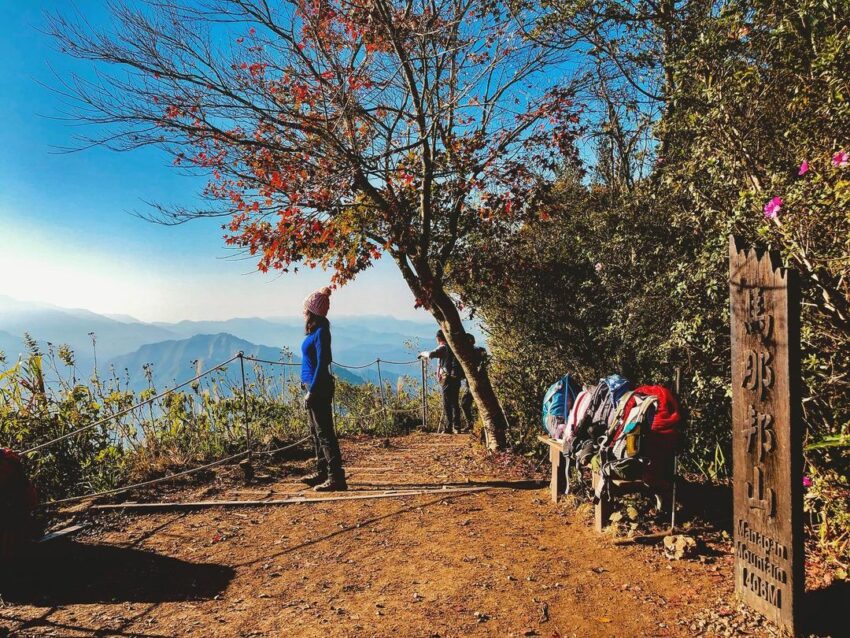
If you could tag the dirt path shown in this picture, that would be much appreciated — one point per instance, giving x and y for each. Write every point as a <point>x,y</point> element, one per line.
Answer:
<point>505,562</point>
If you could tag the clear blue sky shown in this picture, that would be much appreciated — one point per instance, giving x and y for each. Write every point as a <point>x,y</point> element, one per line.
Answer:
<point>67,233</point>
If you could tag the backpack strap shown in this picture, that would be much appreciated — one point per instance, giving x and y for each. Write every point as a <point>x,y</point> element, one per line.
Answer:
<point>603,484</point>
<point>618,415</point>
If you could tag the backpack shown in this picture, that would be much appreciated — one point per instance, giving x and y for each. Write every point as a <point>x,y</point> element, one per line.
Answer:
<point>557,403</point>
<point>627,437</point>
<point>597,419</point>
<point>579,409</point>
<point>665,436</point>
<point>449,367</point>
<point>17,498</point>
<point>643,437</point>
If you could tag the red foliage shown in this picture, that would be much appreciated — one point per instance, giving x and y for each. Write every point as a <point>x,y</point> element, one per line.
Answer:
<point>344,144</point>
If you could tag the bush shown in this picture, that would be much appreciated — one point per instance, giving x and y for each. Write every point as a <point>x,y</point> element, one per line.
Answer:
<point>200,423</point>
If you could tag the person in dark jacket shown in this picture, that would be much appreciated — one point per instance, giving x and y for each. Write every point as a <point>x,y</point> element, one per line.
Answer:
<point>467,400</point>
<point>449,374</point>
<point>318,383</point>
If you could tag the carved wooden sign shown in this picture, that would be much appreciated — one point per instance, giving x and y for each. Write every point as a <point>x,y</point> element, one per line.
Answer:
<point>767,433</point>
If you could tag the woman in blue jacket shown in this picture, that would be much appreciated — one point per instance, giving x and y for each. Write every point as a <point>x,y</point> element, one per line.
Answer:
<point>316,379</point>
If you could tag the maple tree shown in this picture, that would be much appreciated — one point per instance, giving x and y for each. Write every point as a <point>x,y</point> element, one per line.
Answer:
<point>336,132</point>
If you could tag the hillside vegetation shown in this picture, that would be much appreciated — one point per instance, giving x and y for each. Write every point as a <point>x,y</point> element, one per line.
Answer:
<point>626,268</point>
<point>207,420</point>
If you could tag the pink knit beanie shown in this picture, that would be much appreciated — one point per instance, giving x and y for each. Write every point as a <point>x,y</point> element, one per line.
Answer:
<point>319,302</point>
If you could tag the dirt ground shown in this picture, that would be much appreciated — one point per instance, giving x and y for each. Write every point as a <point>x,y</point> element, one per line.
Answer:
<point>501,562</point>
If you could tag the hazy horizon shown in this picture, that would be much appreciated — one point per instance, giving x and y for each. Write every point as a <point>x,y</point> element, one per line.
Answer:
<point>419,316</point>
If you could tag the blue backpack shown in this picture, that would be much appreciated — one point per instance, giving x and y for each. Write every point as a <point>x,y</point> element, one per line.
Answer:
<point>557,403</point>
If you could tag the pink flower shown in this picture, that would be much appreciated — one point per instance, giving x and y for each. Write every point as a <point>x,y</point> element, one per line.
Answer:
<point>772,208</point>
<point>804,168</point>
<point>807,482</point>
<point>598,267</point>
<point>841,159</point>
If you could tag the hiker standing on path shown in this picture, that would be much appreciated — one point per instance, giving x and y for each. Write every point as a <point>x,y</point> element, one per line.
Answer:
<point>467,400</point>
<point>449,374</point>
<point>316,379</point>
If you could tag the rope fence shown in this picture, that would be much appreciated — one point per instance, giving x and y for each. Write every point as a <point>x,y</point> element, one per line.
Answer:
<point>162,479</point>
<point>248,452</point>
<point>121,413</point>
<point>377,362</point>
<point>218,367</point>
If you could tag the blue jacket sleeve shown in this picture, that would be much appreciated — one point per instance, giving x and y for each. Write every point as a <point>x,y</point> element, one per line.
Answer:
<point>323,356</point>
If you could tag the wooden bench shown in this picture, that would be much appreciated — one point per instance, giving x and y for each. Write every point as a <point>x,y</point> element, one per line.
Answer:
<point>605,507</point>
<point>558,479</point>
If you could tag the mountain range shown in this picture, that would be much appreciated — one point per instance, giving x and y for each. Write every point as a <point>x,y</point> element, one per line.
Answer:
<point>176,361</point>
<point>175,350</point>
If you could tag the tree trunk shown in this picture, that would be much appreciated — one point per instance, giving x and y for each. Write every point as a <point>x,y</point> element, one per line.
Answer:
<point>493,417</point>
<point>431,294</point>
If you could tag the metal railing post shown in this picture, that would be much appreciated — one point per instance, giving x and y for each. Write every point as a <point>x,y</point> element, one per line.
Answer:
<point>381,384</point>
<point>424,397</point>
<point>245,405</point>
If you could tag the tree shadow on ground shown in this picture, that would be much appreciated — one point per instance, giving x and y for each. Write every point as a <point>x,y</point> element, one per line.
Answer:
<point>66,572</point>
<point>707,502</point>
<point>355,485</point>
<point>825,610</point>
<point>45,624</point>
<point>359,525</point>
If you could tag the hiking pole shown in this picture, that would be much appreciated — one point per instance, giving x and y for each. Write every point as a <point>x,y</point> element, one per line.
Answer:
<point>673,506</point>
<point>333,396</point>
<point>677,385</point>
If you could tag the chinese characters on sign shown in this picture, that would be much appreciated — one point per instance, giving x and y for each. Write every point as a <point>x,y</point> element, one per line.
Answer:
<point>767,453</point>
<point>760,441</point>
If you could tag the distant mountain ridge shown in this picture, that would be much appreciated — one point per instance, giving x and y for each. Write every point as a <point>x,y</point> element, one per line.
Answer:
<point>10,346</point>
<point>126,342</point>
<point>74,327</point>
<point>176,361</point>
<point>356,340</point>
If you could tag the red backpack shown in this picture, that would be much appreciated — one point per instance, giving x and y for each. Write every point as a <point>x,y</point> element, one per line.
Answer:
<point>665,435</point>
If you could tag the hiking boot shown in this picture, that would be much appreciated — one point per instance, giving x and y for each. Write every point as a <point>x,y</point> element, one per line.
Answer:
<point>316,478</point>
<point>333,484</point>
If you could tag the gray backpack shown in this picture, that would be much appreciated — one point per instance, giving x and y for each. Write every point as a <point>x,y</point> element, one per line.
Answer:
<point>597,420</point>
<point>620,451</point>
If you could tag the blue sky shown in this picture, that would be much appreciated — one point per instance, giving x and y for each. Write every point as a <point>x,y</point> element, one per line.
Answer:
<point>67,232</point>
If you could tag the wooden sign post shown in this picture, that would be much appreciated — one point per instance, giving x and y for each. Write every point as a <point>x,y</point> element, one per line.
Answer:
<point>767,434</point>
